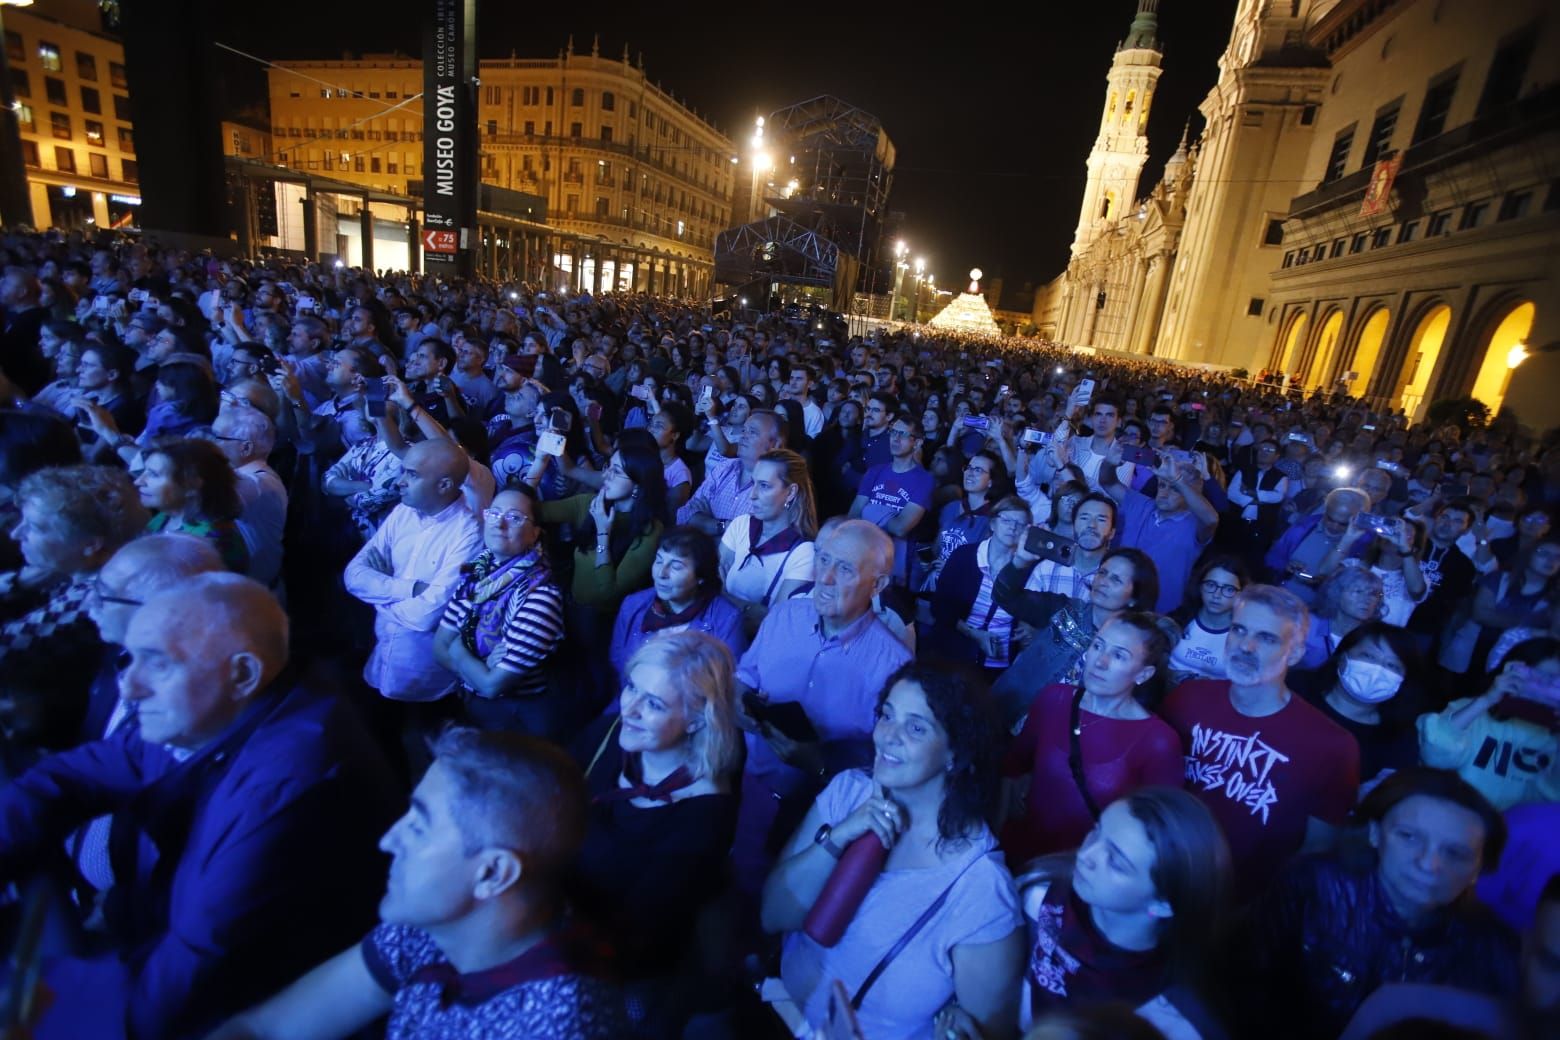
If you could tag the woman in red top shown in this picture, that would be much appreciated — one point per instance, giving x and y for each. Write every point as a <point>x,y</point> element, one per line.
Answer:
<point>1083,747</point>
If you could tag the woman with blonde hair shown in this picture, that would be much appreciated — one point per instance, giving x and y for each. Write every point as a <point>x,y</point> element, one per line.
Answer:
<point>662,774</point>
<point>766,554</point>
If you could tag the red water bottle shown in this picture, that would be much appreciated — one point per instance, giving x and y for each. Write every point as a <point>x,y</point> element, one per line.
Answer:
<point>843,893</point>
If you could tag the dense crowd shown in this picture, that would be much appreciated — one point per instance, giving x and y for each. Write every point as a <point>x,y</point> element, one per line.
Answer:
<point>452,658</point>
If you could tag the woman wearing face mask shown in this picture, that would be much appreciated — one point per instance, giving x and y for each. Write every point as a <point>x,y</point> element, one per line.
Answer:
<point>1084,746</point>
<point>1348,599</point>
<point>662,770</point>
<point>1504,741</point>
<point>766,555</point>
<point>685,594</point>
<point>1369,687</point>
<point>1204,617</point>
<point>1064,627</point>
<point>1133,916</point>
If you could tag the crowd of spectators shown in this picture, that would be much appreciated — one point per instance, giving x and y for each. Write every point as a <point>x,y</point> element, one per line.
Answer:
<point>397,654</point>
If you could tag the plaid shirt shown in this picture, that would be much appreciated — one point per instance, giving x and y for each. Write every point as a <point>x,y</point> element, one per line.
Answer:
<point>50,622</point>
<point>724,494</point>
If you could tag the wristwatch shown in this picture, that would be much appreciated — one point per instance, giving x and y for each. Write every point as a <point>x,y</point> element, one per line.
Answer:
<point>823,841</point>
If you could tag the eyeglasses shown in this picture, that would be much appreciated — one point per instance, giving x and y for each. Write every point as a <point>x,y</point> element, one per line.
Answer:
<point>511,518</point>
<point>896,432</point>
<point>1010,522</point>
<point>1213,587</point>
<point>978,469</point>
<point>121,601</point>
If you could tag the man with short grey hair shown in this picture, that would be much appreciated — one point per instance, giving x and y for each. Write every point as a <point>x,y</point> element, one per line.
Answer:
<point>264,801</point>
<point>1277,774</point>
<point>828,654</point>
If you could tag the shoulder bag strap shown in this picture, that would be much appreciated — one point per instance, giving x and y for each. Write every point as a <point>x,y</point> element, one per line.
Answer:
<point>774,582</point>
<point>1075,753</point>
<point>910,933</point>
<point>601,749</point>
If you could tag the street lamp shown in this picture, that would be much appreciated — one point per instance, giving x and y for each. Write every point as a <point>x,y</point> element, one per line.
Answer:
<point>900,249</point>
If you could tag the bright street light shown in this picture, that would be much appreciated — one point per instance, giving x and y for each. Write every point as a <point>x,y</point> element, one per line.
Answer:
<point>920,264</point>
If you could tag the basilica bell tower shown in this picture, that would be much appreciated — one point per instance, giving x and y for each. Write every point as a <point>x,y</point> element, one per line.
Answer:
<point>1121,147</point>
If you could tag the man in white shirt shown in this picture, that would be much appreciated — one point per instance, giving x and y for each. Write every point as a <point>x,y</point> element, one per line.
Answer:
<point>409,569</point>
<point>246,436</point>
<point>800,391</point>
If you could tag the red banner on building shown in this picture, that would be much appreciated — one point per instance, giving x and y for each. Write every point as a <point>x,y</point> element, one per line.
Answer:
<point>1380,185</point>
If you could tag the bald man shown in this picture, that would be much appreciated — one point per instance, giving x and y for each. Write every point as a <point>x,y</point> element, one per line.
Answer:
<point>263,801</point>
<point>407,571</point>
<point>829,654</point>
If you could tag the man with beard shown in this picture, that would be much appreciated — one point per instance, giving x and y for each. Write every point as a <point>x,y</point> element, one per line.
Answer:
<point>1277,774</point>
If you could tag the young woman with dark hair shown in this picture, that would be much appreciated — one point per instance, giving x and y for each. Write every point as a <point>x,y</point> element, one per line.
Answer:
<point>1204,616</point>
<point>940,920</point>
<point>1083,746</point>
<point>1133,916</point>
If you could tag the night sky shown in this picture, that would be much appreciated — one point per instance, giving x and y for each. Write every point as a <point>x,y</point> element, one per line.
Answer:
<point>992,115</point>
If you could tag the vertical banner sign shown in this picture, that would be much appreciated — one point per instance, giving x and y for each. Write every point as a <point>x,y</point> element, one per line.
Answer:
<point>1380,188</point>
<point>449,136</point>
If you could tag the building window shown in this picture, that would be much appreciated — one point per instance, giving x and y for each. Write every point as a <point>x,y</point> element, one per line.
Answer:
<point>530,95</point>
<point>576,130</point>
<point>116,76</point>
<point>547,128</point>
<point>1357,245</point>
<point>64,159</point>
<point>1289,258</point>
<point>30,153</point>
<point>99,163</point>
<point>1338,158</point>
<point>530,128</point>
<point>1440,224</point>
<point>633,110</point>
<point>132,171</point>
<point>1379,144</point>
<point>1308,115</point>
<point>24,116</point>
<point>391,165</point>
<point>1514,206</point>
<point>15,49</point>
<point>1508,70</point>
<point>492,128</point>
<point>126,140</point>
<point>1382,237</point>
<point>86,67</point>
<point>1473,213</point>
<point>91,100</point>
<point>1338,247</point>
<point>606,135</point>
<point>549,96</point>
<point>54,90</point>
<point>1254,307</point>
<point>602,206</point>
<point>373,164</point>
<point>1438,102</point>
<point>608,102</point>
<point>122,108</point>
<point>1274,235</point>
<point>1319,253</point>
<point>1407,232</point>
<point>571,205</point>
<point>49,56</point>
<point>20,86</point>
<point>94,131</point>
<point>577,97</point>
<point>61,125</point>
<point>357,164</point>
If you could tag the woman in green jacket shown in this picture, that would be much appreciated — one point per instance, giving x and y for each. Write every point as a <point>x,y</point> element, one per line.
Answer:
<point>615,530</point>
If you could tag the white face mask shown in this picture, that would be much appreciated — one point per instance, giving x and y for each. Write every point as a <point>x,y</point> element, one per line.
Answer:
<point>1368,682</point>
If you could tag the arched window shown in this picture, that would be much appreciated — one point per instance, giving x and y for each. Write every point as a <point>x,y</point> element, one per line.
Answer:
<point>577,98</point>
<point>1126,109</point>
<point>608,102</point>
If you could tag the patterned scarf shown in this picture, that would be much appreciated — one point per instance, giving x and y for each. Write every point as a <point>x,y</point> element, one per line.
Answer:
<point>660,616</point>
<point>489,586</point>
